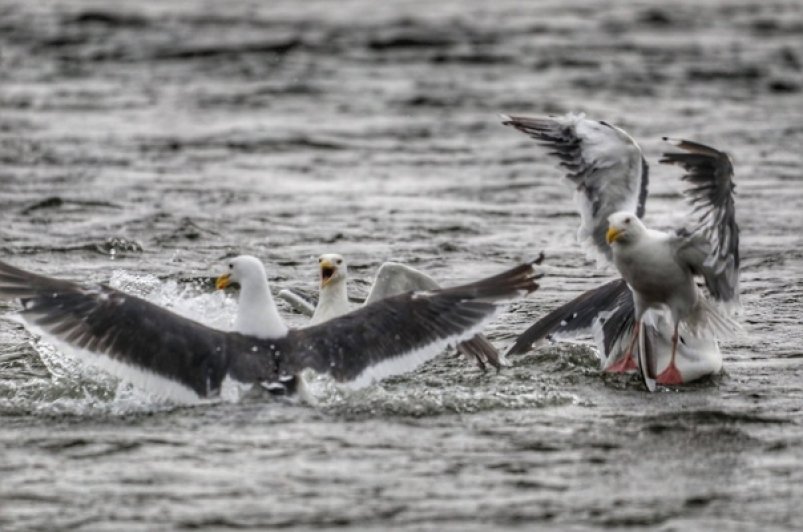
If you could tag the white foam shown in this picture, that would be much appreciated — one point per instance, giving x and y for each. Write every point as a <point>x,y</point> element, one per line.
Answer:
<point>232,390</point>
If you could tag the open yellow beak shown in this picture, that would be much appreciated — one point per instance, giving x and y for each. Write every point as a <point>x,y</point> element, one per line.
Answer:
<point>327,271</point>
<point>223,281</point>
<point>612,234</point>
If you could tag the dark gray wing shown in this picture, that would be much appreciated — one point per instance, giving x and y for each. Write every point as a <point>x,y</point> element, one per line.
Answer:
<point>394,278</point>
<point>711,247</point>
<point>398,333</point>
<point>134,333</point>
<point>603,162</point>
<point>606,312</point>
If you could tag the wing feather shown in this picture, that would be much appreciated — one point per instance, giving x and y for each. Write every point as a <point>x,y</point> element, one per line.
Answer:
<point>602,161</point>
<point>711,245</point>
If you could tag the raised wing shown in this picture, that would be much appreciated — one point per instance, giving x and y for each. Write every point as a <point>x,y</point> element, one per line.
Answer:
<point>301,302</point>
<point>130,336</point>
<point>394,278</point>
<point>397,333</point>
<point>603,162</point>
<point>711,246</point>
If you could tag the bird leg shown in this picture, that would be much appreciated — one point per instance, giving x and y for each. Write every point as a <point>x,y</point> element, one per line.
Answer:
<point>671,375</point>
<point>626,362</point>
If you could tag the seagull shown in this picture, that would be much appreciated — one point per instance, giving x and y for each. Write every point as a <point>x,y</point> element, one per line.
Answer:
<point>391,279</point>
<point>611,177</point>
<point>164,352</point>
<point>333,299</point>
<point>660,267</point>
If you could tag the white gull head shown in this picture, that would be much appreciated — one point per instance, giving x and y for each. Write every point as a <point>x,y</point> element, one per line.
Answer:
<point>334,269</point>
<point>333,297</point>
<point>624,228</point>
<point>257,314</point>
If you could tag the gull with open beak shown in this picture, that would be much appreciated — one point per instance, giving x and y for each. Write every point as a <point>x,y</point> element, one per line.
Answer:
<point>333,300</point>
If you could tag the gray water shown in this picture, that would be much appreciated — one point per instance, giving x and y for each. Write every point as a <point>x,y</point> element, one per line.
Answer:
<point>142,143</point>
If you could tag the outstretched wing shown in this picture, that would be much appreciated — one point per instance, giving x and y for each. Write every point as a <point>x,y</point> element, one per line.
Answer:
<point>606,312</point>
<point>131,337</point>
<point>394,278</point>
<point>397,333</point>
<point>711,246</point>
<point>603,162</point>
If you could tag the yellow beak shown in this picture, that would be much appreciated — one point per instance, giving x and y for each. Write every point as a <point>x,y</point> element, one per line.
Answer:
<point>612,235</point>
<point>327,271</point>
<point>223,281</point>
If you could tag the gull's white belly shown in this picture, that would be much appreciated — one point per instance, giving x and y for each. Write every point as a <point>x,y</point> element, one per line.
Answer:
<point>652,271</point>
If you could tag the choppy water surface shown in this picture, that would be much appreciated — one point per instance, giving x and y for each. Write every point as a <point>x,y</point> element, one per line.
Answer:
<point>143,143</point>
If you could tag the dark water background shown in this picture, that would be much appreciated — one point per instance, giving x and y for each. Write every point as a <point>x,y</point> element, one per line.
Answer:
<point>144,142</point>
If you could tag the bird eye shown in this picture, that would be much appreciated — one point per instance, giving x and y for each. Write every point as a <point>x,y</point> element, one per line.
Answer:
<point>627,220</point>
<point>231,265</point>
<point>340,261</point>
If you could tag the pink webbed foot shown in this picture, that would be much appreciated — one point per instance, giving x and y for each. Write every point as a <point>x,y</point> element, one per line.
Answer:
<point>625,364</point>
<point>670,376</point>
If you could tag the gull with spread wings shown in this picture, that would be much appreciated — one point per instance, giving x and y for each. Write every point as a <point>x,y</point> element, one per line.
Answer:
<point>186,360</point>
<point>677,341</point>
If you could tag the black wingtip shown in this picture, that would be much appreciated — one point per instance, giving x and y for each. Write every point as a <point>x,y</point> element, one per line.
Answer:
<point>526,124</point>
<point>534,274</point>
<point>689,146</point>
<point>519,280</point>
<point>539,260</point>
